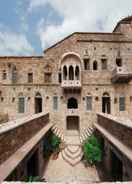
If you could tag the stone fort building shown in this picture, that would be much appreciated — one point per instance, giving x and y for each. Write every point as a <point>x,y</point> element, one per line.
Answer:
<point>81,75</point>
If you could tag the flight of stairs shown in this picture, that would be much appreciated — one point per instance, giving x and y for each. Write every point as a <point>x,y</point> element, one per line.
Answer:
<point>86,133</point>
<point>58,132</point>
<point>72,154</point>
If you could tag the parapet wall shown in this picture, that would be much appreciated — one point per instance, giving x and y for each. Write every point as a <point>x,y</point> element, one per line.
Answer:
<point>118,127</point>
<point>14,134</point>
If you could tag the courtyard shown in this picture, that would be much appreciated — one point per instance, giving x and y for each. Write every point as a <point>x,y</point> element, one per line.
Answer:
<point>59,170</point>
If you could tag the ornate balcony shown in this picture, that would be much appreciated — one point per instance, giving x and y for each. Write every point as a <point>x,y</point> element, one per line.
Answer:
<point>121,75</point>
<point>71,84</point>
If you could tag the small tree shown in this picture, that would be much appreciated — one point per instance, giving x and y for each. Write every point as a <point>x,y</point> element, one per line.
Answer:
<point>92,150</point>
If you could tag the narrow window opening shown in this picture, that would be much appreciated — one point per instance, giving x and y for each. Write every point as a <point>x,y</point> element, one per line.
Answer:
<point>88,103</point>
<point>86,64</point>
<point>47,77</point>
<point>59,78</point>
<point>30,77</point>
<point>71,73</point>
<point>21,105</point>
<point>95,65</point>
<point>119,62</point>
<point>122,103</point>
<point>55,103</point>
<point>104,64</point>
<point>4,75</point>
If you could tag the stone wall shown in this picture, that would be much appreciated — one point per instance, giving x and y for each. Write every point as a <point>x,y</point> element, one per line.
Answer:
<point>14,134</point>
<point>119,128</point>
<point>115,134</point>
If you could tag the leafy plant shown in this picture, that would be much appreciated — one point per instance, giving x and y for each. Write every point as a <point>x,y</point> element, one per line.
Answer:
<point>55,142</point>
<point>92,150</point>
<point>51,144</point>
<point>33,179</point>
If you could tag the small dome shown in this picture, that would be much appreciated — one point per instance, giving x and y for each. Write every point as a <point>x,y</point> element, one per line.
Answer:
<point>126,19</point>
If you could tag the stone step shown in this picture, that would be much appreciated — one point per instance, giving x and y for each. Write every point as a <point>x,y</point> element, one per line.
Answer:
<point>86,134</point>
<point>73,148</point>
<point>71,161</point>
<point>58,132</point>
<point>71,155</point>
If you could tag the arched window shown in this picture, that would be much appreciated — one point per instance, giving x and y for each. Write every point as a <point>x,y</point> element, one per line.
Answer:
<point>104,64</point>
<point>86,64</point>
<point>106,106</point>
<point>38,103</point>
<point>4,75</point>
<point>89,103</point>
<point>77,73</point>
<point>71,73</point>
<point>95,65</point>
<point>119,62</point>
<point>65,73</point>
<point>72,103</point>
<point>21,103</point>
<point>14,74</point>
<point>122,103</point>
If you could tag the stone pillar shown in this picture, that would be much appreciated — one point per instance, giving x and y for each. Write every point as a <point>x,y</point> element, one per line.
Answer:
<point>40,159</point>
<point>107,157</point>
<point>112,105</point>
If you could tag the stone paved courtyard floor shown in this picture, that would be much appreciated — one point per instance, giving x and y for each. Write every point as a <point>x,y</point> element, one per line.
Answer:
<point>59,170</point>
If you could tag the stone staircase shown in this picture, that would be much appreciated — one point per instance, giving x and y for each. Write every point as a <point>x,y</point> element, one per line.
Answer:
<point>58,132</point>
<point>72,154</point>
<point>86,133</point>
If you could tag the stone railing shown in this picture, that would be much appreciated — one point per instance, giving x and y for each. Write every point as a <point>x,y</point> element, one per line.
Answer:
<point>71,84</point>
<point>120,128</point>
<point>120,70</point>
<point>72,112</point>
<point>121,74</point>
<point>14,134</point>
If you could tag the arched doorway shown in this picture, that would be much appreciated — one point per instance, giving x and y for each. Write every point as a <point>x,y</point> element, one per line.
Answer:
<point>72,103</point>
<point>38,103</point>
<point>106,106</point>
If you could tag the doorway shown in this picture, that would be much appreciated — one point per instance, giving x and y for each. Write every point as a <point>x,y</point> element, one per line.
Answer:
<point>38,103</point>
<point>72,123</point>
<point>106,106</point>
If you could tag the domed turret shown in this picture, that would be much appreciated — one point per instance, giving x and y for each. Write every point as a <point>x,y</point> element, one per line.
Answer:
<point>124,26</point>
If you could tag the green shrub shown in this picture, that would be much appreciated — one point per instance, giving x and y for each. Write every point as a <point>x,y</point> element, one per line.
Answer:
<point>55,142</point>
<point>51,144</point>
<point>92,150</point>
<point>33,179</point>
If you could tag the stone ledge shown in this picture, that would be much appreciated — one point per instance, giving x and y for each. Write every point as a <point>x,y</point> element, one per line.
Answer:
<point>76,182</point>
<point>9,165</point>
<point>120,120</point>
<point>18,122</point>
<point>119,145</point>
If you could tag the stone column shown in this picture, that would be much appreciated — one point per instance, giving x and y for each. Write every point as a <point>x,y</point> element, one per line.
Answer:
<point>112,105</point>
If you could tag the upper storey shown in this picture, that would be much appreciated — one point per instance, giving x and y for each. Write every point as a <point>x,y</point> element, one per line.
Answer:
<point>80,58</point>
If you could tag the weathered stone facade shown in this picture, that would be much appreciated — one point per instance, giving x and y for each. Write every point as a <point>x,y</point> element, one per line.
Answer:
<point>46,77</point>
